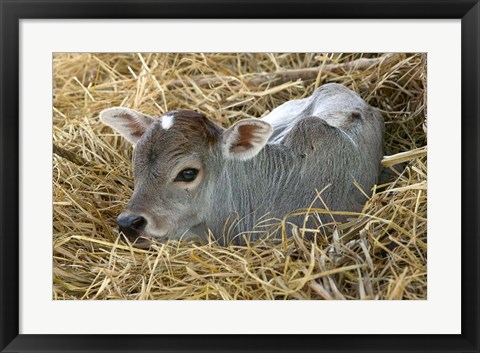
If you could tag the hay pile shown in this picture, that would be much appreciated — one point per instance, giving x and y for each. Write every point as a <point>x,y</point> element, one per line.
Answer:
<point>379,254</point>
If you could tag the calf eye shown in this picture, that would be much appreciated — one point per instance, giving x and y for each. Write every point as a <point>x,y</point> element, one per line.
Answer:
<point>187,175</point>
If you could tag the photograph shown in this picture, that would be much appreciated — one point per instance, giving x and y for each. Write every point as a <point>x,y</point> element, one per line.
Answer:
<point>194,167</point>
<point>239,176</point>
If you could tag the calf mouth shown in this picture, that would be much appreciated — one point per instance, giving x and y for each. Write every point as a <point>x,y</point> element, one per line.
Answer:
<point>145,241</point>
<point>142,243</point>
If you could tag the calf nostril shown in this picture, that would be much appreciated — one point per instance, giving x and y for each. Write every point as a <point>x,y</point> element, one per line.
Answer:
<point>132,224</point>
<point>138,223</point>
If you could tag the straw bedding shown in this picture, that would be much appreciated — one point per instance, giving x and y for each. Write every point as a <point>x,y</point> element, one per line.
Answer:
<point>380,253</point>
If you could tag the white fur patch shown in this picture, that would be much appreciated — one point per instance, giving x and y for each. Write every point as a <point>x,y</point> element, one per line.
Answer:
<point>349,137</point>
<point>167,121</point>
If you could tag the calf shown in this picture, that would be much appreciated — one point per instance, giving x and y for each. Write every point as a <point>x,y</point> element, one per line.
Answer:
<point>191,175</point>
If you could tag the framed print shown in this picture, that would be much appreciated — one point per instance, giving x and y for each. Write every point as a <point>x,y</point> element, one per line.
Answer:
<point>238,176</point>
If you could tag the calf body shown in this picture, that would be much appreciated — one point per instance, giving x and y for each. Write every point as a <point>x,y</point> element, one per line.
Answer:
<point>192,175</point>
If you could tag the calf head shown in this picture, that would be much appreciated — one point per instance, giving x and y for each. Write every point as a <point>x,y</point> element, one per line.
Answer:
<point>177,160</point>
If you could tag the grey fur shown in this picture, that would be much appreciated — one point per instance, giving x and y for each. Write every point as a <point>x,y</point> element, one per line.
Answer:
<point>325,142</point>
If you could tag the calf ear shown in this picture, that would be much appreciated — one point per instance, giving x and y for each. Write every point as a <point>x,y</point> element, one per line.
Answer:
<point>130,123</point>
<point>244,139</point>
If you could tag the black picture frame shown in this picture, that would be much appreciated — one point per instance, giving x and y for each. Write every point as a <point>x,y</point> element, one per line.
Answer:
<point>468,11</point>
